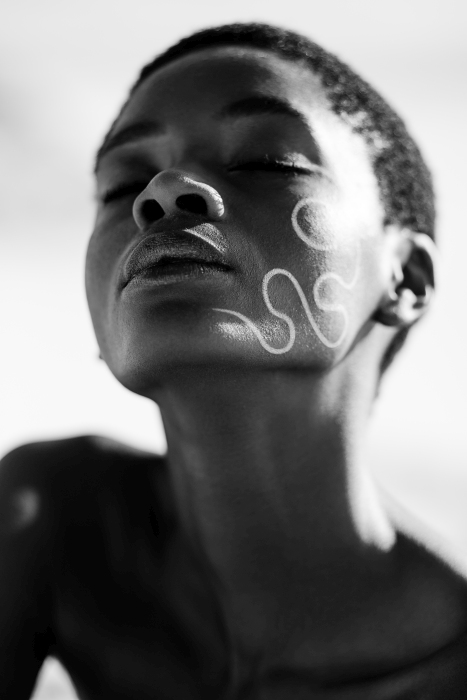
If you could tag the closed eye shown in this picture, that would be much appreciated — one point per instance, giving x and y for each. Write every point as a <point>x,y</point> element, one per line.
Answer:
<point>121,191</point>
<point>272,166</point>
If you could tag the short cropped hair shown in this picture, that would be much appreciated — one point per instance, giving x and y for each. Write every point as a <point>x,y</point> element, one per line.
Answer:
<point>404,180</point>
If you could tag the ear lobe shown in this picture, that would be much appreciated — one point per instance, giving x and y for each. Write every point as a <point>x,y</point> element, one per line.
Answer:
<point>411,288</point>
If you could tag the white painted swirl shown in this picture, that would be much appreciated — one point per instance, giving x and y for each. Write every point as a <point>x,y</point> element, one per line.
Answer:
<point>317,293</point>
<point>303,235</point>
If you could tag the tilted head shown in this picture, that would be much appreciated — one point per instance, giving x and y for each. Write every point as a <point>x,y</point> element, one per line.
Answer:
<point>270,151</point>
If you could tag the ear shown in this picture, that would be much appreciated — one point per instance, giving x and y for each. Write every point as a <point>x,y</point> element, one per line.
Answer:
<point>410,287</point>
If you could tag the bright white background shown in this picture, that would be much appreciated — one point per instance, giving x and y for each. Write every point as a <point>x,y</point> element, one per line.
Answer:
<point>65,68</point>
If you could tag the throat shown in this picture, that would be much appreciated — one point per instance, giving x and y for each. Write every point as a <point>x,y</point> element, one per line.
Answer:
<point>269,496</point>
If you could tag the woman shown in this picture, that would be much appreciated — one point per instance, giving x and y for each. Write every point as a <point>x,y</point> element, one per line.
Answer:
<point>263,244</point>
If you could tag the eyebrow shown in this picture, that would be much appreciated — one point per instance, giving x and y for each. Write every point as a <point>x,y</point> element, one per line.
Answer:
<point>261,104</point>
<point>246,107</point>
<point>134,132</point>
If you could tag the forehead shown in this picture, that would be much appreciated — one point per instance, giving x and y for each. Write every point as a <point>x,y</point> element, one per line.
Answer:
<point>206,79</point>
<point>188,94</point>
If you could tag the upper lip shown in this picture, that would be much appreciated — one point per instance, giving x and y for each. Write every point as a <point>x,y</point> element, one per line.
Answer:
<point>169,245</point>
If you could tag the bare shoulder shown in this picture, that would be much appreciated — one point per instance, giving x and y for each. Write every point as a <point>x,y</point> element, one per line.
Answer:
<point>48,487</point>
<point>42,458</point>
<point>28,538</point>
<point>39,481</point>
<point>27,481</point>
<point>44,487</point>
<point>50,464</point>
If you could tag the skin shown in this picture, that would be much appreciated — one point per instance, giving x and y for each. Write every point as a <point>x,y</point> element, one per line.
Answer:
<point>271,567</point>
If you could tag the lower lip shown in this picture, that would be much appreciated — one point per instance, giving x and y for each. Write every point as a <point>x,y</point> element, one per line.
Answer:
<point>171,273</point>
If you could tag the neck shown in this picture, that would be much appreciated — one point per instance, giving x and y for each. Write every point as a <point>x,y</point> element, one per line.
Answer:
<point>269,488</point>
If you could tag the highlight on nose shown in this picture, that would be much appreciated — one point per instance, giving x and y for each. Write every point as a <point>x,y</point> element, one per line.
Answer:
<point>172,192</point>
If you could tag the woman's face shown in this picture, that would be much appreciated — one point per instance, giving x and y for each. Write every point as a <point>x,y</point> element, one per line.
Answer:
<point>256,234</point>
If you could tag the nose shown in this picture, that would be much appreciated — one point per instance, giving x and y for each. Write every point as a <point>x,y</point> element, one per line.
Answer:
<point>172,192</point>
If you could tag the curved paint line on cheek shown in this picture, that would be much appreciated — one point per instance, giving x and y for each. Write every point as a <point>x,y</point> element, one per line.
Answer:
<point>333,306</point>
<point>257,332</point>
<point>321,304</point>
<point>306,307</point>
<point>301,295</point>
<point>303,235</point>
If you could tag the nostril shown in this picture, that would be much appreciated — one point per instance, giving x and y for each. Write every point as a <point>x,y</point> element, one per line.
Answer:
<point>151,210</point>
<point>193,203</point>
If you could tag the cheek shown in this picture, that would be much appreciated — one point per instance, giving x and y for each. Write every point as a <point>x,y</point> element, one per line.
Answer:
<point>314,296</point>
<point>105,248</point>
<point>330,270</point>
<point>346,278</point>
<point>314,223</point>
<point>96,274</point>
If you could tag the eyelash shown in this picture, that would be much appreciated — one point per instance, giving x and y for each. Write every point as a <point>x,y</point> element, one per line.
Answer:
<point>267,165</point>
<point>271,166</point>
<point>123,190</point>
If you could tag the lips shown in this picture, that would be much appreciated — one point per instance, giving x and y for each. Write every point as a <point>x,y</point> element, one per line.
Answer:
<point>170,253</point>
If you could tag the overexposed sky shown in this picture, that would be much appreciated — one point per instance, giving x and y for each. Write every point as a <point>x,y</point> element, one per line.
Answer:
<point>65,68</point>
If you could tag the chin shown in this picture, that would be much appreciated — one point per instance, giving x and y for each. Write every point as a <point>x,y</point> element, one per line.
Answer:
<point>151,358</point>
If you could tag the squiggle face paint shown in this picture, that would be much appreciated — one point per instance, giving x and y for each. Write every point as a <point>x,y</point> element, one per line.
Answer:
<point>312,241</point>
